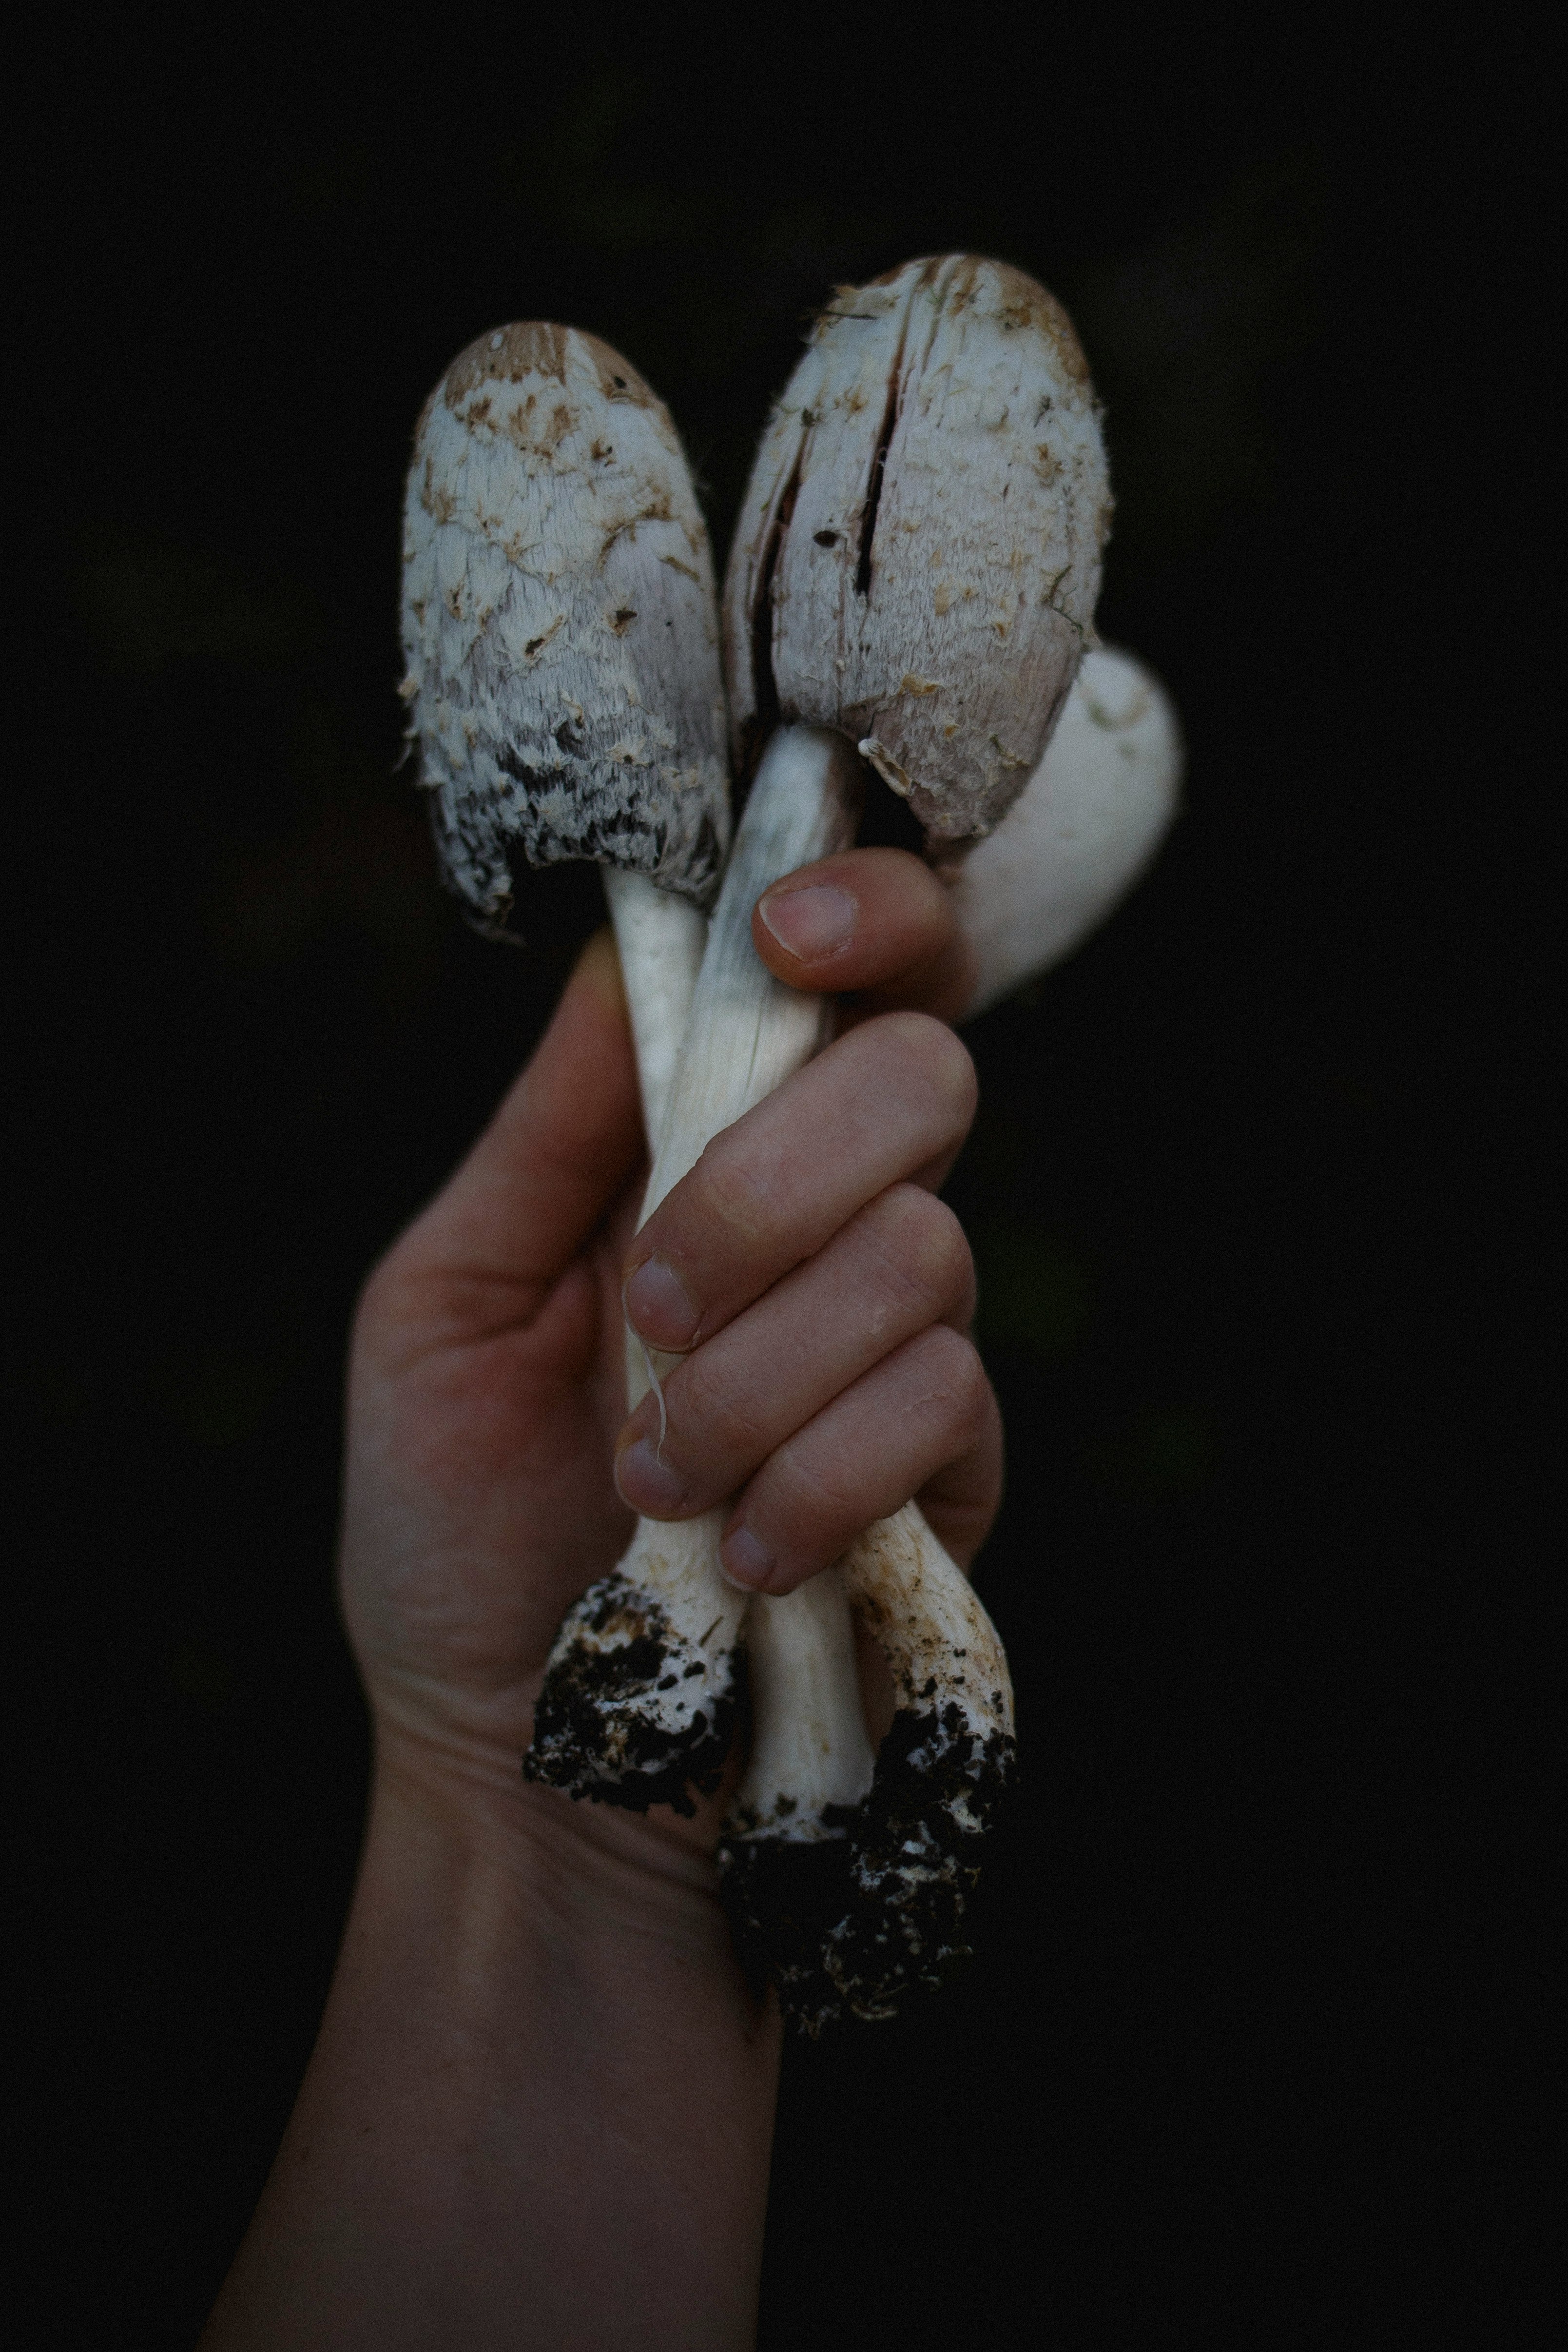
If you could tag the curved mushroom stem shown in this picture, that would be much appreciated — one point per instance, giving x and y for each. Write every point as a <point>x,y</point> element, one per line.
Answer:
<point>845,1883</point>
<point>919,1836</point>
<point>640,1692</point>
<point>849,1908</point>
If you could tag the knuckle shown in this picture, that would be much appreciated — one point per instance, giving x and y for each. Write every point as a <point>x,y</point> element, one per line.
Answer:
<point>813,1477</point>
<point>966,1391</point>
<point>711,1417</point>
<point>938,1058</point>
<point>728,1192</point>
<point>813,1501</point>
<point>922,1242</point>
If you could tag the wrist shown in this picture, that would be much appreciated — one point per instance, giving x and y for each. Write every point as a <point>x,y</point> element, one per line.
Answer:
<point>537,2021</point>
<point>457,1827</point>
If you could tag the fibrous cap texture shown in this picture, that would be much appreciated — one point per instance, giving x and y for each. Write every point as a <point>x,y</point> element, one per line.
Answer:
<point>917,558</point>
<point>559,624</point>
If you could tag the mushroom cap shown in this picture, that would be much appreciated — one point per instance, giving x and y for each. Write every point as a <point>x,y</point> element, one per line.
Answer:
<point>559,624</point>
<point>1086,827</point>
<point>918,553</point>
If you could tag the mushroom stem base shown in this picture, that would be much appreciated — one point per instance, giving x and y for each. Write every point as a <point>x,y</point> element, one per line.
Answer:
<point>640,1696</point>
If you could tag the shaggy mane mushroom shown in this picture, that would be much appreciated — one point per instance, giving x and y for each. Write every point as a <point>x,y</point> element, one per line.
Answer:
<point>913,576</point>
<point>916,566</point>
<point>560,630</point>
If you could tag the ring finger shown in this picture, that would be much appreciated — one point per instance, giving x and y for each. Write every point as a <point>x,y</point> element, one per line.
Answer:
<point>915,1414</point>
<point>898,1267</point>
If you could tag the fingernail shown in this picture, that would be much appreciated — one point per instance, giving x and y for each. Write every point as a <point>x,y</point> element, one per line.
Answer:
<point>649,1485</point>
<point>656,1303</point>
<point>744,1560</point>
<point>811,923</point>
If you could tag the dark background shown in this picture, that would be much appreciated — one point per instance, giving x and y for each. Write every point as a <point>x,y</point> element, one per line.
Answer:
<point>1234,2054</point>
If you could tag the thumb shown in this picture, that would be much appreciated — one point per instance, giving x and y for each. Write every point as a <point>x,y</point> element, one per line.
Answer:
<point>553,1160</point>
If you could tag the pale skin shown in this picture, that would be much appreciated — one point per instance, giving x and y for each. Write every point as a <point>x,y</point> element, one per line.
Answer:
<point>540,2107</point>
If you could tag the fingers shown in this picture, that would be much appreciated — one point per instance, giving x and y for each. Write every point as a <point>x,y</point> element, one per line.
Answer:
<point>890,1103</point>
<point>924,1411</point>
<point>843,1391</point>
<point>900,1266</point>
<point>922,1421</point>
<point>876,925</point>
<point>960,1500</point>
<point>818,1292</point>
<point>558,1153</point>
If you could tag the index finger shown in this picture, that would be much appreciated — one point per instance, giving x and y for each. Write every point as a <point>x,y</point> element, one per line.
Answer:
<point>874,925</point>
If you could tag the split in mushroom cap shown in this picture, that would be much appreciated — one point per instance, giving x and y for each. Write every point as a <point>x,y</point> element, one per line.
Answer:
<point>918,551</point>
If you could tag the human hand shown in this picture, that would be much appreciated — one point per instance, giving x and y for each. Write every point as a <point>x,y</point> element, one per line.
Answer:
<point>538,2017</point>
<point>826,1377</point>
<point>817,1290</point>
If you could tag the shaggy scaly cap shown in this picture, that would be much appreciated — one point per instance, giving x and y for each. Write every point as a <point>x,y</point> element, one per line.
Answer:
<point>918,555</point>
<point>558,624</point>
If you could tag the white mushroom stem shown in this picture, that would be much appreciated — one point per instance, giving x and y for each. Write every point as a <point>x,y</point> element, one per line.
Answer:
<point>847,1882</point>
<point>1090,820</point>
<point>919,1838</point>
<point>1086,826</point>
<point>811,1756</point>
<point>941,1646</point>
<point>659,940</point>
<point>639,1695</point>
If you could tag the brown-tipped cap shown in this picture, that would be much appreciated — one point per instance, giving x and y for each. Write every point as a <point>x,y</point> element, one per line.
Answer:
<point>559,624</point>
<point>918,554</point>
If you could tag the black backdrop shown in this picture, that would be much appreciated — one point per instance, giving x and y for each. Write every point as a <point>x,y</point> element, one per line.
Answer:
<point>1247,1294</point>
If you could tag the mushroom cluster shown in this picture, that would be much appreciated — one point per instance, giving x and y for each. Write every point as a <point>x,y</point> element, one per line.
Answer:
<point>912,592</point>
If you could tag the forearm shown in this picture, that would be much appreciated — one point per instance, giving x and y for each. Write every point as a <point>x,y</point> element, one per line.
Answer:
<point>540,2107</point>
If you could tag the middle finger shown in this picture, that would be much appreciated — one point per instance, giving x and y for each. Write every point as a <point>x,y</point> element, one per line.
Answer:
<point>900,1266</point>
<point>889,1103</point>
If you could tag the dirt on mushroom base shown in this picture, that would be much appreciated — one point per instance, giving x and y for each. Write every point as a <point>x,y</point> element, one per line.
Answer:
<point>783,1896</point>
<point>616,1720</point>
<point>847,1922</point>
